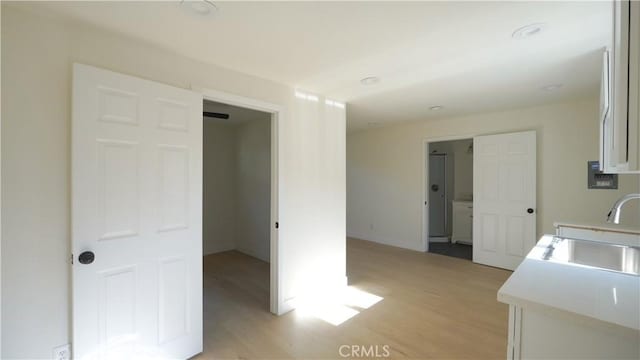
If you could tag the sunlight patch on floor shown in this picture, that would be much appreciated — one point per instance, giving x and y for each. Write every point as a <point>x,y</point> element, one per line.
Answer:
<point>337,306</point>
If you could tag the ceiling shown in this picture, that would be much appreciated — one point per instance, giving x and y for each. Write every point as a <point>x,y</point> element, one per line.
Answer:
<point>459,55</point>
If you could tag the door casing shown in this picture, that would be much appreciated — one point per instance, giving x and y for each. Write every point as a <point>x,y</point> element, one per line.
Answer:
<point>425,180</point>
<point>276,302</point>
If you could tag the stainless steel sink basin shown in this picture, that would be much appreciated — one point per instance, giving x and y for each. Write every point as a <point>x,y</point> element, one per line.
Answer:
<point>611,257</point>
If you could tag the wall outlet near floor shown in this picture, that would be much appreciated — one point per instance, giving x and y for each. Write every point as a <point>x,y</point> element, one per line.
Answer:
<point>62,352</point>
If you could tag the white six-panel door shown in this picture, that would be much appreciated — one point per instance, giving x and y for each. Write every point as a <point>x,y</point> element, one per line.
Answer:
<point>504,198</point>
<point>137,206</point>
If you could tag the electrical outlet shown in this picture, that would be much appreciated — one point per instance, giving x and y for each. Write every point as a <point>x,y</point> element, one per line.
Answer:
<point>62,352</point>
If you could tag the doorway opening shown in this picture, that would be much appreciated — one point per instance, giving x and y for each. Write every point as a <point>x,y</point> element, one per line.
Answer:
<point>240,205</point>
<point>449,197</point>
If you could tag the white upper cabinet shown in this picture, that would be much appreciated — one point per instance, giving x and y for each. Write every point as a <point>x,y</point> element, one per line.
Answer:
<point>620,94</point>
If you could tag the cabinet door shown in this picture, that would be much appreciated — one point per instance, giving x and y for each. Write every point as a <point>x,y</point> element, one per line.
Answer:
<point>462,223</point>
<point>620,133</point>
<point>634,87</point>
<point>607,161</point>
<point>466,221</point>
<point>620,83</point>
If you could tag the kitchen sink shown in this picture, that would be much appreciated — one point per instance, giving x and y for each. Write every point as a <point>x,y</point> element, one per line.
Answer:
<point>605,256</point>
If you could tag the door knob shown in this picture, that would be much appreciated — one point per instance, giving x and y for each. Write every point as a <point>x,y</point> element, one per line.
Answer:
<point>434,187</point>
<point>530,210</point>
<point>86,257</point>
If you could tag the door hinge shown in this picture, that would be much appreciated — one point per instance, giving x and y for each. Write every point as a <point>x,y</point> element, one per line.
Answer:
<point>71,258</point>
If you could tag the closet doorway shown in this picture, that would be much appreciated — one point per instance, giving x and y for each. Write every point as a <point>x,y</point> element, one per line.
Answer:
<point>438,197</point>
<point>448,197</point>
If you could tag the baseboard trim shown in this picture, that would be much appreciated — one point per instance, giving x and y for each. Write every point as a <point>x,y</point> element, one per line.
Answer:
<point>287,306</point>
<point>462,241</point>
<point>253,254</point>
<point>384,241</point>
<point>217,251</point>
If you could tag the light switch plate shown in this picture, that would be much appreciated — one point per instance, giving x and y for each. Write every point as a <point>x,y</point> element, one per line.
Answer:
<point>62,352</point>
<point>596,179</point>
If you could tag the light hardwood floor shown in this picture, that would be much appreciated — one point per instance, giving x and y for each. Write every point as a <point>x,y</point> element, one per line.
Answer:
<point>434,307</point>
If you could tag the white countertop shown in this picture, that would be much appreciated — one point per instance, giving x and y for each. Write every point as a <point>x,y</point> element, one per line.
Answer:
<point>599,294</point>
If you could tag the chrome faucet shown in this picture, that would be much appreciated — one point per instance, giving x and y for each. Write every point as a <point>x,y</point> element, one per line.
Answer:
<point>614,213</point>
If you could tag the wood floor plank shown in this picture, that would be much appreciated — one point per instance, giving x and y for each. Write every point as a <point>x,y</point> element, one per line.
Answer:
<point>433,307</point>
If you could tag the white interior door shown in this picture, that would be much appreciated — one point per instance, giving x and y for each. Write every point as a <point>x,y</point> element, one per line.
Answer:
<point>137,208</point>
<point>436,188</point>
<point>504,198</point>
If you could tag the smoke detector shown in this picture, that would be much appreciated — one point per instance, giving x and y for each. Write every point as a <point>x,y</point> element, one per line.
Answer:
<point>200,7</point>
<point>371,80</point>
<point>528,31</point>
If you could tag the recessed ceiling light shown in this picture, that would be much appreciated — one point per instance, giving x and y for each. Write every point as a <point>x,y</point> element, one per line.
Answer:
<point>552,87</point>
<point>371,80</point>
<point>528,31</point>
<point>436,108</point>
<point>200,7</point>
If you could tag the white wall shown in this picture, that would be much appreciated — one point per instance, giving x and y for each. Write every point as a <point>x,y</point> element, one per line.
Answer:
<point>323,169</point>
<point>37,57</point>
<point>253,197</point>
<point>237,186</point>
<point>219,187</point>
<point>384,177</point>
<point>462,170</point>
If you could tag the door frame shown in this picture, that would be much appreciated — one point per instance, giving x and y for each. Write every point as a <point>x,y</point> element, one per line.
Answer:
<point>276,305</point>
<point>425,177</point>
